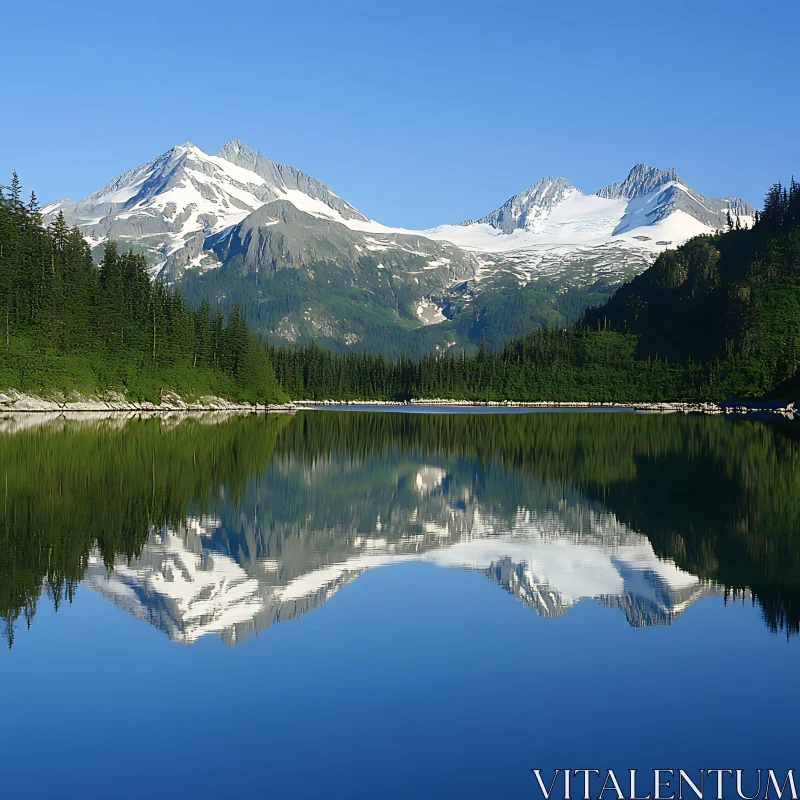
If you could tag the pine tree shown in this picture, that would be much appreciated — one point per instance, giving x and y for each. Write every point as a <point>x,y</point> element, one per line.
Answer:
<point>204,334</point>
<point>15,192</point>
<point>109,323</point>
<point>59,232</point>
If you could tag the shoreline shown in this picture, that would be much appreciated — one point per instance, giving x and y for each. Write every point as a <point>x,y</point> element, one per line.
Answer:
<point>739,407</point>
<point>18,402</point>
<point>114,403</point>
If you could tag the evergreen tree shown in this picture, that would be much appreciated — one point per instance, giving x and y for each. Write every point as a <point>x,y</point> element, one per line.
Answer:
<point>69,325</point>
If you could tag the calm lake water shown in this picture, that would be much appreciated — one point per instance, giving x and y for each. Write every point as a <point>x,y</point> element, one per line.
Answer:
<point>360,604</point>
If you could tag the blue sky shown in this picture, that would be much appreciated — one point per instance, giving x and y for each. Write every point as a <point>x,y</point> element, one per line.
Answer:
<point>416,113</point>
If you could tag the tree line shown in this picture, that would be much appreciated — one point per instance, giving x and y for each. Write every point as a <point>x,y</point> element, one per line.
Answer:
<point>718,317</point>
<point>731,300</point>
<point>69,325</point>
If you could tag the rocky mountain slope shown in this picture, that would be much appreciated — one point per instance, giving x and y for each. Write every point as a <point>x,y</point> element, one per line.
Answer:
<point>176,207</point>
<point>306,264</point>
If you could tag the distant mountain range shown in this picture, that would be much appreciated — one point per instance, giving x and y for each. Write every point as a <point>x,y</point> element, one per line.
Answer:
<point>305,264</point>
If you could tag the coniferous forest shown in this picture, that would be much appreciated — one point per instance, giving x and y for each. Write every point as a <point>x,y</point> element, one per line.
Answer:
<point>719,317</point>
<point>716,318</point>
<point>74,327</point>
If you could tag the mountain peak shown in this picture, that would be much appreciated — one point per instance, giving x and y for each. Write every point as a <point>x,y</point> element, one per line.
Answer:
<point>556,180</point>
<point>524,209</point>
<point>641,179</point>
<point>237,152</point>
<point>235,146</point>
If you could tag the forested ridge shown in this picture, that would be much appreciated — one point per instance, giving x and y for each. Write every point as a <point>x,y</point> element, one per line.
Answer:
<point>716,318</point>
<point>67,325</point>
<point>303,304</point>
<point>732,298</point>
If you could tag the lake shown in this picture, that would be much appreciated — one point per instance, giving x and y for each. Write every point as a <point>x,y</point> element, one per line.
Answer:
<point>369,604</point>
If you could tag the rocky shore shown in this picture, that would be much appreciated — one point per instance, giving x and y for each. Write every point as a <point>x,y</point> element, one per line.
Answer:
<point>112,402</point>
<point>12,401</point>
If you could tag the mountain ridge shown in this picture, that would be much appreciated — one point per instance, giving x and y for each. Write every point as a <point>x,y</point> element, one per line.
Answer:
<point>544,194</point>
<point>184,210</point>
<point>640,180</point>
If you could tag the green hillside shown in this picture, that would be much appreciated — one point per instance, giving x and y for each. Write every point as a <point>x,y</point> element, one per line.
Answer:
<point>69,326</point>
<point>733,298</point>
<point>718,317</point>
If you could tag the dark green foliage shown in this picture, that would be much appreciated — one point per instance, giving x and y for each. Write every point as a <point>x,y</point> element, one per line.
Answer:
<point>68,326</point>
<point>719,317</point>
<point>788,391</point>
<point>730,300</point>
<point>568,365</point>
<point>67,491</point>
<point>719,498</point>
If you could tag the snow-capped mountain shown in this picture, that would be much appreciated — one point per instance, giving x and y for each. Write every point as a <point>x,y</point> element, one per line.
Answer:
<point>164,204</point>
<point>641,180</point>
<point>191,212</point>
<point>182,207</point>
<point>529,208</point>
<point>655,194</point>
<point>548,229</point>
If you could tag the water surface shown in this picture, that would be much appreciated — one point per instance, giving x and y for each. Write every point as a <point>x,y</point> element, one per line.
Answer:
<point>365,604</point>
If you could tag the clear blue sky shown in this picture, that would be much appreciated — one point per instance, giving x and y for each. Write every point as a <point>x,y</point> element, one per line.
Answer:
<point>417,113</point>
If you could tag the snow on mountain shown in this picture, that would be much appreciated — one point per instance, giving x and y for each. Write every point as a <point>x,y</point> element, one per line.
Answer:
<point>577,219</point>
<point>162,204</point>
<point>554,213</point>
<point>641,180</point>
<point>554,231</point>
<point>527,208</point>
<point>188,210</point>
<point>171,205</point>
<point>654,195</point>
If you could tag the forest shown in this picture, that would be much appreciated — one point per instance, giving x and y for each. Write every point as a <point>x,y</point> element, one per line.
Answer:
<point>717,318</point>
<point>68,325</point>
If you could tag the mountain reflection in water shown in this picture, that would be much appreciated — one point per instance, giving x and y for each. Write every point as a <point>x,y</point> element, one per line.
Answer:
<point>226,525</point>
